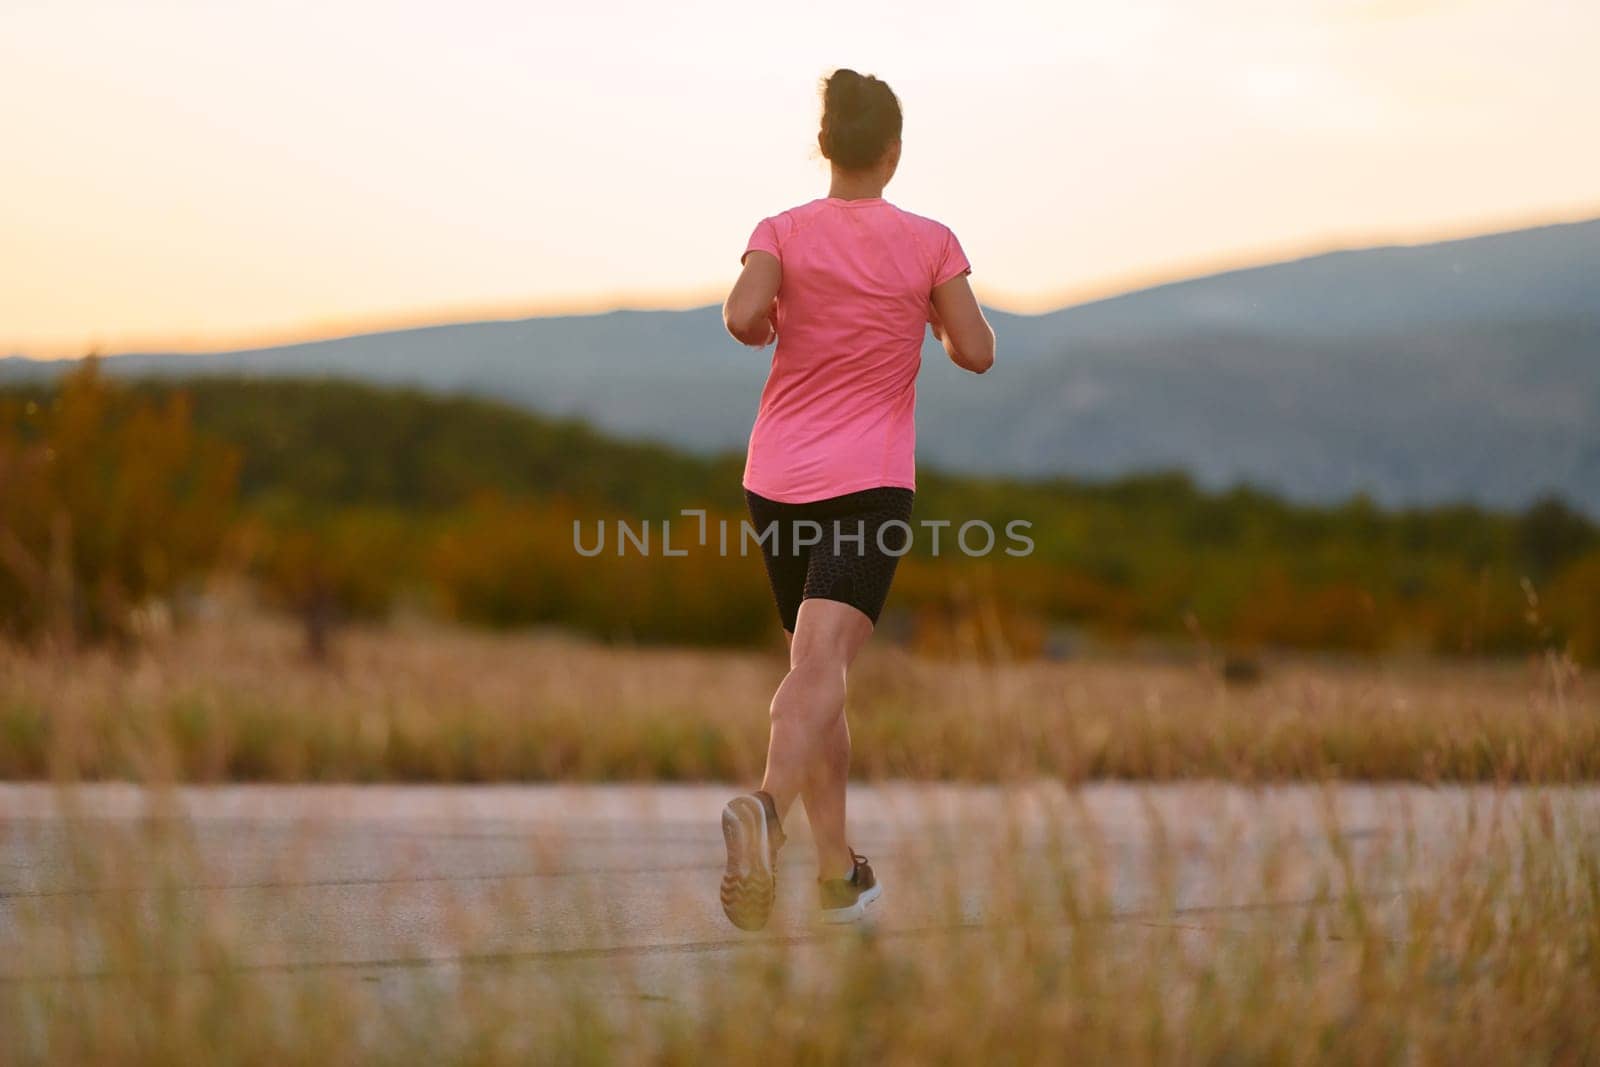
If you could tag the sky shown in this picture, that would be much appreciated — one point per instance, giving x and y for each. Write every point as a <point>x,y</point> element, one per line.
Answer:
<point>188,174</point>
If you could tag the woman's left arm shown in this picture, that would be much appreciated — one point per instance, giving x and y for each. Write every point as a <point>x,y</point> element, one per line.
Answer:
<point>750,312</point>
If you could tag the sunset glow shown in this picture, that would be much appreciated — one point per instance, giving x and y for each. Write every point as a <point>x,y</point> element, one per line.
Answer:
<point>179,174</point>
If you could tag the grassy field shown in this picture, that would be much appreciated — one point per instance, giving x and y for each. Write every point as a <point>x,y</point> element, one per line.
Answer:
<point>235,699</point>
<point>1489,951</point>
<point>1489,954</point>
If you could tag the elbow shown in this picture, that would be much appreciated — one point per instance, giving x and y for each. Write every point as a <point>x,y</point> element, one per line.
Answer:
<point>978,358</point>
<point>746,329</point>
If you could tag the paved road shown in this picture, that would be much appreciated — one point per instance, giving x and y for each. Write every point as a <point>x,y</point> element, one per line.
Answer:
<point>396,880</point>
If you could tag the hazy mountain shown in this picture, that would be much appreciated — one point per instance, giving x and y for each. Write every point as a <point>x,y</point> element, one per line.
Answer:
<point>1467,369</point>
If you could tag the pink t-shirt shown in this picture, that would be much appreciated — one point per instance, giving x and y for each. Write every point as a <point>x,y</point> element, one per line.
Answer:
<point>838,411</point>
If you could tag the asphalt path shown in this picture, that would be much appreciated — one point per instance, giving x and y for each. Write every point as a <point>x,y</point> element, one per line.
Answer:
<point>616,886</point>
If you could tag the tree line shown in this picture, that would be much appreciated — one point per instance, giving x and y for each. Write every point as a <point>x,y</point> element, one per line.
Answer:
<point>341,500</point>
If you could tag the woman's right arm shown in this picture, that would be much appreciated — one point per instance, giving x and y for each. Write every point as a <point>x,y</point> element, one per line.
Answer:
<point>958,322</point>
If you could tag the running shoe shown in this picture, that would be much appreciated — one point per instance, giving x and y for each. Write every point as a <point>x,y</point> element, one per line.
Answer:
<point>753,835</point>
<point>844,900</point>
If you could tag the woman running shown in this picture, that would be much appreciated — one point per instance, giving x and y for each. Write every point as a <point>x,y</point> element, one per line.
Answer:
<point>845,284</point>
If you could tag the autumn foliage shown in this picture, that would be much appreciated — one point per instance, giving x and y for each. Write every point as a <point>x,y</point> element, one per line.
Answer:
<point>108,502</point>
<point>341,501</point>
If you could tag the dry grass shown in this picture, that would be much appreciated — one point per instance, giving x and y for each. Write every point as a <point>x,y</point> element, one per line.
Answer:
<point>1485,946</point>
<point>235,700</point>
<point>1491,954</point>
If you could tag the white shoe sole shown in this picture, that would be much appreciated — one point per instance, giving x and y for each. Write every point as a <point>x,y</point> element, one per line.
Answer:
<point>854,911</point>
<point>747,882</point>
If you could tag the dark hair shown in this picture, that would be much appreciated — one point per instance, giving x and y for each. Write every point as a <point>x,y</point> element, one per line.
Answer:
<point>860,118</point>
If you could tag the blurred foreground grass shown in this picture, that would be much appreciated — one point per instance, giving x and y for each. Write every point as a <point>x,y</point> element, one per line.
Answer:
<point>1477,942</point>
<point>235,700</point>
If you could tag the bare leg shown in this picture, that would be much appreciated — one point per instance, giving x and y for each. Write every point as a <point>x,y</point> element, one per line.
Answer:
<point>824,798</point>
<point>823,795</point>
<point>808,753</point>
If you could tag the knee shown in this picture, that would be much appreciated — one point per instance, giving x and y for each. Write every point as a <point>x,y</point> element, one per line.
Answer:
<point>812,694</point>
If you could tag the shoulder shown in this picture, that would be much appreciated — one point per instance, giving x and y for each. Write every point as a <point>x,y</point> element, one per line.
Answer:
<point>932,238</point>
<point>924,225</point>
<point>789,219</point>
<point>786,223</point>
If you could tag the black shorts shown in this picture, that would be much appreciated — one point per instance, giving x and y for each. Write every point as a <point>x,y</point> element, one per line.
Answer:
<point>844,548</point>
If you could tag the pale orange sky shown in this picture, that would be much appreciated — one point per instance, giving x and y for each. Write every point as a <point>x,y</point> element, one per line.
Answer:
<point>179,173</point>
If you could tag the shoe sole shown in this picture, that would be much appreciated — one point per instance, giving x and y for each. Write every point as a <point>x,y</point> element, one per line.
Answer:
<point>854,911</point>
<point>748,884</point>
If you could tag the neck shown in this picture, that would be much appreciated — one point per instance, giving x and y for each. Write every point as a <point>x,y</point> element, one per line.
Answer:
<point>855,186</point>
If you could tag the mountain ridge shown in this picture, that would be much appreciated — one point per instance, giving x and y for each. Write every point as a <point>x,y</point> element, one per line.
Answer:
<point>1463,370</point>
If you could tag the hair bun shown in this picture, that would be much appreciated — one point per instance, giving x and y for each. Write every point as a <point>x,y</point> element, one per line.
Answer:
<point>860,117</point>
<point>845,87</point>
